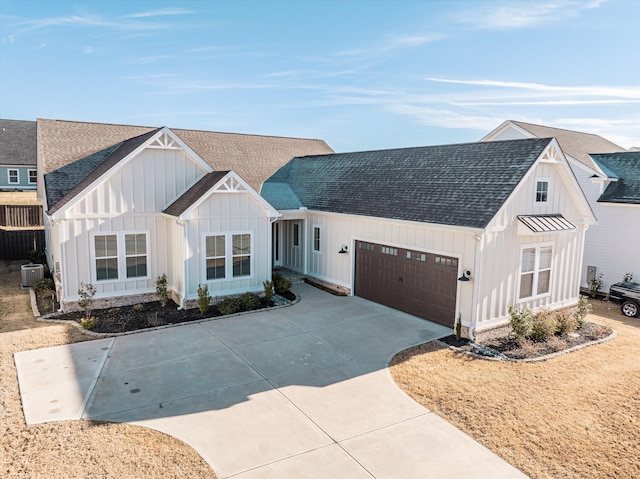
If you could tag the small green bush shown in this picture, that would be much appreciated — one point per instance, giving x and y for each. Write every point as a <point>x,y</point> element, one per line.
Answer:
<point>229,305</point>
<point>543,326</point>
<point>43,284</point>
<point>88,323</point>
<point>204,298</point>
<point>137,307</point>
<point>520,321</point>
<point>281,285</point>
<point>268,291</point>
<point>161,290</point>
<point>628,277</point>
<point>566,322</point>
<point>87,292</point>
<point>594,286</point>
<point>37,257</point>
<point>249,301</point>
<point>459,327</point>
<point>581,310</point>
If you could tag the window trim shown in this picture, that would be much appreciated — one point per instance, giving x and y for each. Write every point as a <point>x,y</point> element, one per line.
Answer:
<point>35,181</point>
<point>542,179</point>
<point>146,255</point>
<point>295,235</point>
<point>121,255</point>
<point>17,175</point>
<point>317,250</point>
<point>228,256</point>
<point>536,271</point>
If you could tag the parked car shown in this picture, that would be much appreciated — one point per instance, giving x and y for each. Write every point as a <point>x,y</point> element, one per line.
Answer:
<point>628,295</point>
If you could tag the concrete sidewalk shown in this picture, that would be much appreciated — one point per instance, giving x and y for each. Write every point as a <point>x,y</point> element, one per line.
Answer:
<point>302,391</point>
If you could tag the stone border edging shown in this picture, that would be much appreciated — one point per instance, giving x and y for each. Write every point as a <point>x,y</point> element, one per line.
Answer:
<point>45,319</point>
<point>507,359</point>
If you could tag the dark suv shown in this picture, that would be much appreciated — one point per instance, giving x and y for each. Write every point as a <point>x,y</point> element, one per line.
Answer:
<point>628,295</point>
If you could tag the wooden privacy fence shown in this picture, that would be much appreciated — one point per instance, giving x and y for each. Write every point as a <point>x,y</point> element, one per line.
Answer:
<point>16,244</point>
<point>21,216</point>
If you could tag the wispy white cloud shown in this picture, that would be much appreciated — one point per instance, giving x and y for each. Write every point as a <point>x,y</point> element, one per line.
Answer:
<point>149,59</point>
<point>161,12</point>
<point>517,14</point>
<point>87,50</point>
<point>629,92</point>
<point>82,21</point>
<point>391,44</point>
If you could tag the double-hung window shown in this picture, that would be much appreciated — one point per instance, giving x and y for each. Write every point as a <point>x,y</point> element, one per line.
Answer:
<point>13,176</point>
<point>116,252</point>
<point>542,190</point>
<point>33,177</point>
<point>106,256</point>
<point>227,255</point>
<point>535,271</point>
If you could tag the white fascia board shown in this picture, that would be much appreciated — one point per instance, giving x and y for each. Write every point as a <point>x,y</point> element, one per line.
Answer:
<point>505,125</point>
<point>271,211</point>
<point>61,213</point>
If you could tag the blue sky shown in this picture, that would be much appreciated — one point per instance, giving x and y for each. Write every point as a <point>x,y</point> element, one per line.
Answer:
<point>359,74</point>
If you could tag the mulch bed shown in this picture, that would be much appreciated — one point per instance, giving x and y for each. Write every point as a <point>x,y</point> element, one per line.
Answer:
<point>512,348</point>
<point>148,315</point>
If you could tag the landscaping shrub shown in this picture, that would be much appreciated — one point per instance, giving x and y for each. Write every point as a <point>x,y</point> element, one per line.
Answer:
<point>229,305</point>
<point>161,290</point>
<point>204,298</point>
<point>543,325</point>
<point>86,293</point>
<point>43,284</point>
<point>566,322</point>
<point>520,321</point>
<point>281,285</point>
<point>249,301</point>
<point>268,290</point>
<point>137,307</point>
<point>594,286</point>
<point>581,310</point>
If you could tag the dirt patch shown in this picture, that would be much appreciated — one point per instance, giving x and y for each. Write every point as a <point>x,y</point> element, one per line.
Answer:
<point>572,416</point>
<point>79,449</point>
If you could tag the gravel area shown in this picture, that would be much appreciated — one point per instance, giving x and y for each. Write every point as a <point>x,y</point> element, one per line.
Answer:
<point>573,416</point>
<point>71,449</point>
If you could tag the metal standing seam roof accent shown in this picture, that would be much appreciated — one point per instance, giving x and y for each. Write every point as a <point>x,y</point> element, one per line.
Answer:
<point>546,223</point>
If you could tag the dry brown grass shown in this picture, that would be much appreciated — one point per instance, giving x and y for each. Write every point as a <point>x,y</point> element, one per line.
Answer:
<point>71,449</point>
<point>575,416</point>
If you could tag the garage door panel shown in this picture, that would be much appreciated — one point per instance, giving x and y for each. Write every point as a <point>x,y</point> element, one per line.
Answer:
<point>418,283</point>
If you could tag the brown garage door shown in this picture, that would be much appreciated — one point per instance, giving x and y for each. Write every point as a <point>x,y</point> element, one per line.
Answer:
<point>417,283</point>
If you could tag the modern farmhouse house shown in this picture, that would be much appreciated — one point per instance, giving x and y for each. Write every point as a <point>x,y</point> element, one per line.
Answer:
<point>611,246</point>
<point>438,231</point>
<point>126,204</point>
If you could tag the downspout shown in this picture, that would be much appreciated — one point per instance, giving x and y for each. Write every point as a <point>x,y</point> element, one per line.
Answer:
<point>185,241</point>
<point>271,221</point>
<point>476,284</point>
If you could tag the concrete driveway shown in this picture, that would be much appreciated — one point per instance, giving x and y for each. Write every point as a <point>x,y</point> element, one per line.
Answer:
<point>302,391</point>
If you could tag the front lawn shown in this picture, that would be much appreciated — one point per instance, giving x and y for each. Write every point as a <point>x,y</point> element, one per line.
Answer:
<point>576,415</point>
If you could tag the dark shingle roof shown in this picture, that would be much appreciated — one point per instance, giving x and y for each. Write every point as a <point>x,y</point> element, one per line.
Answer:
<point>462,185</point>
<point>66,182</point>
<point>194,193</point>
<point>18,142</point>
<point>625,167</point>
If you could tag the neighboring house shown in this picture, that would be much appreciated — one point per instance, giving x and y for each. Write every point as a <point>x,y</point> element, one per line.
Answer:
<point>611,246</point>
<point>126,204</point>
<point>439,232</point>
<point>17,155</point>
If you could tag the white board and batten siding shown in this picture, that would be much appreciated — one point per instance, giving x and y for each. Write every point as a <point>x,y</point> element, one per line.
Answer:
<point>131,199</point>
<point>338,230</point>
<point>227,213</point>
<point>501,249</point>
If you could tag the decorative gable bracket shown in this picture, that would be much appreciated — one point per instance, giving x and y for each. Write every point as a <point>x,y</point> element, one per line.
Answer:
<point>165,141</point>
<point>551,155</point>
<point>230,185</point>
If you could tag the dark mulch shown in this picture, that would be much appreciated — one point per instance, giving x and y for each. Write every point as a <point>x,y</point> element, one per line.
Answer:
<point>514,348</point>
<point>150,315</point>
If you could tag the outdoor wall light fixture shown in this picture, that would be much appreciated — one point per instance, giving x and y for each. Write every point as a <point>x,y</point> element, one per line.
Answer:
<point>465,275</point>
<point>343,250</point>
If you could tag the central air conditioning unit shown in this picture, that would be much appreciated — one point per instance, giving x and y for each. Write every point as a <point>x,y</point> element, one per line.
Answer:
<point>31,273</point>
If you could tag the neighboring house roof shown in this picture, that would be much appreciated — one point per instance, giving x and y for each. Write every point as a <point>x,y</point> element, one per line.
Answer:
<point>253,157</point>
<point>625,169</point>
<point>18,143</point>
<point>461,185</point>
<point>66,182</point>
<point>194,193</point>
<point>574,143</point>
